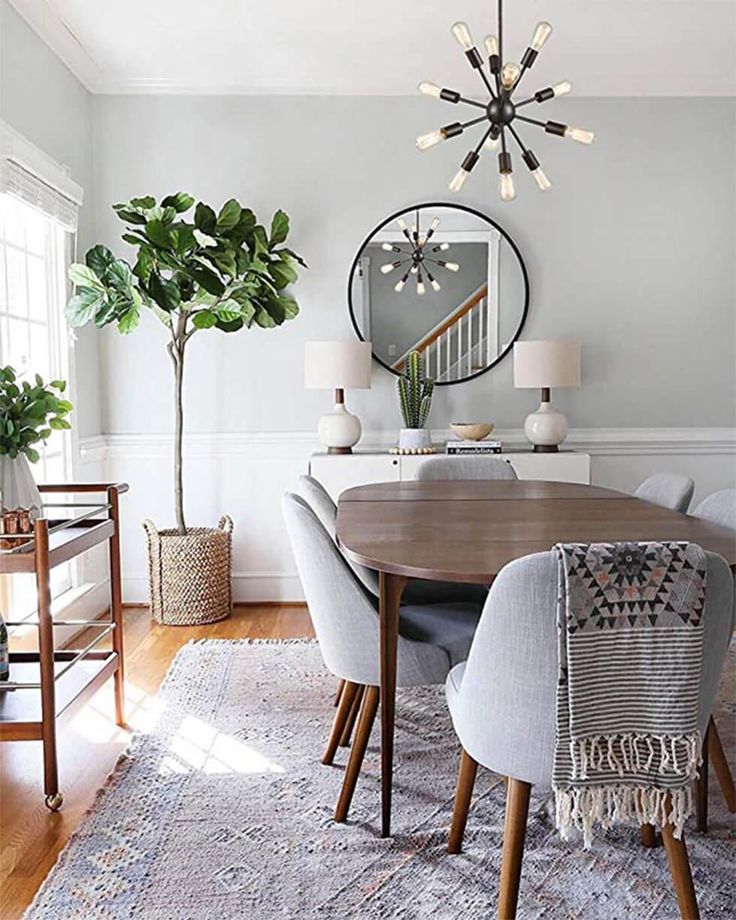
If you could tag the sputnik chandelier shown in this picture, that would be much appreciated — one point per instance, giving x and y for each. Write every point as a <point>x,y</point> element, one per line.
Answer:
<point>418,258</point>
<point>502,110</point>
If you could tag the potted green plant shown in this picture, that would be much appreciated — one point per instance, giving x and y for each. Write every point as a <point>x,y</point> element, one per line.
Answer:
<point>207,270</point>
<point>415,400</point>
<point>29,413</point>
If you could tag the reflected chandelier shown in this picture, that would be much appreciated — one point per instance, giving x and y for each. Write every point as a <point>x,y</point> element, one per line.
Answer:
<point>501,111</point>
<point>419,258</point>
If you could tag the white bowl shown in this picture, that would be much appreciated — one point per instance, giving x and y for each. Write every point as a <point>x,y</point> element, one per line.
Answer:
<point>471,431</point>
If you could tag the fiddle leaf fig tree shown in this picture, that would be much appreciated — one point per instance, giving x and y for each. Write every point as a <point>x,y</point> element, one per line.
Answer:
<point>207,270</point>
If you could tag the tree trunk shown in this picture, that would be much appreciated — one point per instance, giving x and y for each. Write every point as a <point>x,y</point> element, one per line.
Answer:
<point>176,350</point>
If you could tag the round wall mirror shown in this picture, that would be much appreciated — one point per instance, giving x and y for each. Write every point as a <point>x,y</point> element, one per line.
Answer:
<point>443,279</point>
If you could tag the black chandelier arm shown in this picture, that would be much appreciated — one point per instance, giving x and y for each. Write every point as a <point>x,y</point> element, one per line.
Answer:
<point>487,82</point>
<point>473,122</point>
<point>473,102</point>
<point>486,135</point>
<point>533,121</point>
<point>518,139</point>
<point>500,34</point>
<point>503,141</point>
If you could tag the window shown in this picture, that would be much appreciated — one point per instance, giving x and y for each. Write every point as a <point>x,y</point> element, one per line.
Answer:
<point>33,338</point>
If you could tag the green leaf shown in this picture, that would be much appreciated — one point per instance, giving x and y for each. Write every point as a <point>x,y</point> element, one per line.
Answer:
<point>119,275</point>
<point>59,385</point>
<point>130,217</point>
<point>294,255</point>
<point>99,258</point>
<point>282,274</point>
<point>33,455</point>
<point>264,319</point>
<point>82,307</point>
<point>207,279</point>
<point>158,233</point>
<point>84,277</point>
<point>180,202</point>
<point>143,204</point>
<point>204,319</point>
<point>230,325</point>
<point>59,424</point>
<point>229,215</point>
<point>128,321</point>
<point>279,228</point>
<point>204,240</point>
<point>204,218</point>
<point>291,307</point>
<point>165,293</point>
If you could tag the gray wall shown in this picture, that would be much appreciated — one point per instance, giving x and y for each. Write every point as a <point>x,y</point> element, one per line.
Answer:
<point>631,251</point>
<point>44,101</point>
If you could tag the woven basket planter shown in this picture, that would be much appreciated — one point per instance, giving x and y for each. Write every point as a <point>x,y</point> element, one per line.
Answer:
<point>189,577</point>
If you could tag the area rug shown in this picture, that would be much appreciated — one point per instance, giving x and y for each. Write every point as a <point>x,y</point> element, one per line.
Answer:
<point>223,810</point>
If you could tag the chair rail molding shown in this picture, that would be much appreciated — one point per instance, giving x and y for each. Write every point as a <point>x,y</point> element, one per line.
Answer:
<point>245,474</point>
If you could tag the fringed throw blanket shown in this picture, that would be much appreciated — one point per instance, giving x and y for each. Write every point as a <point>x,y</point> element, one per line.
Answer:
<point>630,653</point>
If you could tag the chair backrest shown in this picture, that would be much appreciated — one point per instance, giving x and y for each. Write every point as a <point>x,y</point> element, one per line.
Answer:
<point>343,614</point>
<point>318,499</point>
<point>505,715</point>
<point>668,490</point>
<point>477,467</point>
<point>719,508</point>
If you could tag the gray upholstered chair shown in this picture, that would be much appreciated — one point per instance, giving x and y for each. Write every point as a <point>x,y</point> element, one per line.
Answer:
<point>718,508</point>
<point>503,703</point>
<point>668,490</point>
<point>431,638</point>
<point>478,467</point>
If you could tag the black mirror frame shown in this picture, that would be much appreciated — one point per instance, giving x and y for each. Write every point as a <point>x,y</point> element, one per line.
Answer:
<point>457,207</point>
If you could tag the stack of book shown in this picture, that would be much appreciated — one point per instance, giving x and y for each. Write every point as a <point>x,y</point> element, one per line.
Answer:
<point>473,447</point>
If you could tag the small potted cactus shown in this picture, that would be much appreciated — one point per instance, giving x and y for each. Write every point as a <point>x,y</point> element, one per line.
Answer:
<point>415,399</point>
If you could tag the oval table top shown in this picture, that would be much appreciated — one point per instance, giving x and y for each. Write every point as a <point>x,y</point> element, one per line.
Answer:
<point>468,530</point>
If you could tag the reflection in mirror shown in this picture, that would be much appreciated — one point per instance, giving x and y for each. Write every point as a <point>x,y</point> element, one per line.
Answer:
<point>442,279</point>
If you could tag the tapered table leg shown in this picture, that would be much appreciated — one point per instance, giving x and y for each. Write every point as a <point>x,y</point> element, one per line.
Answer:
<point>116,606</point>
<point>391,588</point>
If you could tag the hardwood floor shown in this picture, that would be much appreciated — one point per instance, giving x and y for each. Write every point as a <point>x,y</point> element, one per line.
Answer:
<point>90,744</point>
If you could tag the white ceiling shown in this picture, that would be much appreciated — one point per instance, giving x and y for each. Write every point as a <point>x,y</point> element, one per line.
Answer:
<point>384,47</point>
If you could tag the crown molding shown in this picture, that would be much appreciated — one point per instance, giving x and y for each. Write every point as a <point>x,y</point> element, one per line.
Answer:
<point>45,20</point>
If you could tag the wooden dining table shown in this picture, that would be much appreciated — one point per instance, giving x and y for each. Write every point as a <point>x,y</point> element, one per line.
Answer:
<point>467,531</point>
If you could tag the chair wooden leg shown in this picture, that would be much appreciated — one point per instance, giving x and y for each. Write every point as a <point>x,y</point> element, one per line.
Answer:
<point>343,711</point>
<point>463,795</point>
<point>681,876</point>
<point>347,730</point>
<point>368,711</point>
<point>720,765</point>
<point>648,836</point>
<point>701,789</point>
<point>514,832</point>
<point>338,692</point>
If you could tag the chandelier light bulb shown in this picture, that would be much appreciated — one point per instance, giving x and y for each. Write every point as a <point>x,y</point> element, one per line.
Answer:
<point>413,269</point>
<point>541,34</point>
<point>580,135</point>
<point>387,247</point>
<point>435,224</point>
<point>462,33</point>
<point>443,247</point>
<point>420,286</point>
<point>506,186</point>
<point>429,89</point>
<point>510,74</point>
<point>458,180</point>
<point>401,223</point>
<point>425,141</point>
<point>541,179</point>
<point>451,266</point>
<point>399,286</point>
<point>492,143</point>
<point>388,267</point>
<point>562,88</point>
<point>435,285</point>
<point>491,45</point>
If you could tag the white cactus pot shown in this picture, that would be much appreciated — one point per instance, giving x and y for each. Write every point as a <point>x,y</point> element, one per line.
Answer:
<point>414,438</point>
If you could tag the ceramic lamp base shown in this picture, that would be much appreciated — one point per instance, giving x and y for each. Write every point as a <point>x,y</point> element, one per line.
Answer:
<point>339,430</point>
<point>545,428</point>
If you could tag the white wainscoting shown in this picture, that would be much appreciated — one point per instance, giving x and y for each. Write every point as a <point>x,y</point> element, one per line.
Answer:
<point>245,475</point>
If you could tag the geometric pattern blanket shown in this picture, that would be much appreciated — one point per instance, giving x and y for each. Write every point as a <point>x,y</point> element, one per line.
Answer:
<point>630,640</point>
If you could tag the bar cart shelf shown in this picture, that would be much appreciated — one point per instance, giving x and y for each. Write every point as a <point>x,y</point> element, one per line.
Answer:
<point>47,686</point>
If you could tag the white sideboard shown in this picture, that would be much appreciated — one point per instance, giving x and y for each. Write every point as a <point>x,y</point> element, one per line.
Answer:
<point>337,472</point>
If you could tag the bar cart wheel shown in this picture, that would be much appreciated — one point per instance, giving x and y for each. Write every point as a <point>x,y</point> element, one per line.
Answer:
<point>55,801</point>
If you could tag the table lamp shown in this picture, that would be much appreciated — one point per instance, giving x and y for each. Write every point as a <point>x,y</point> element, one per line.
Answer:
<point>338,366</point>
<point>546,364</point>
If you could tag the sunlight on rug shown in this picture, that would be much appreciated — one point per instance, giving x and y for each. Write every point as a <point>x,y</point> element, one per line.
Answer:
<point>221,809</point>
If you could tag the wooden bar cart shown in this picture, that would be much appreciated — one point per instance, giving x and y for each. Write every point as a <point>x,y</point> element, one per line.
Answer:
<point>46,686</point>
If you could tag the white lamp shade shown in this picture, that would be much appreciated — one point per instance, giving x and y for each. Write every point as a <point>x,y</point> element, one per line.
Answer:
<point>547,363</point>
<point>337,365</point>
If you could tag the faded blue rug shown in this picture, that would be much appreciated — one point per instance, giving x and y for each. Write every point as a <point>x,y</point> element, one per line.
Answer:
<point>224,811</point>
